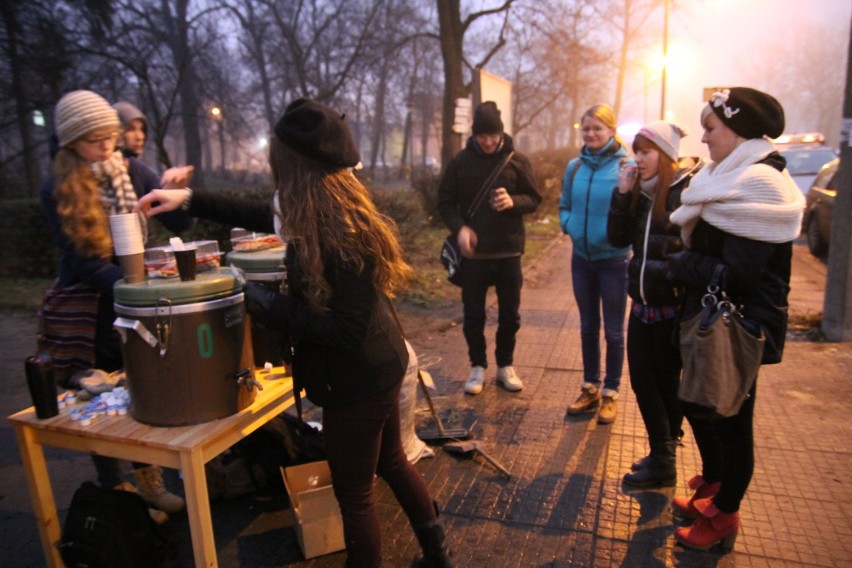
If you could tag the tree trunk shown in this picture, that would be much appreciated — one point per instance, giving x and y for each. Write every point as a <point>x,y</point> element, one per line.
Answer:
<point>452,43</point>
<point>19,92</point>
<point>190,106</point>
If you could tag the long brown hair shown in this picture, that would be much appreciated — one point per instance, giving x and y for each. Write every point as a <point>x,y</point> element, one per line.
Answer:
<point>81,211</point>
<point>666,169</point>
<point>329,212</point>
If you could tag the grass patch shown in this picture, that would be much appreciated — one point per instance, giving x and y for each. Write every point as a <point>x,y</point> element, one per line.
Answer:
<point>23,293</point>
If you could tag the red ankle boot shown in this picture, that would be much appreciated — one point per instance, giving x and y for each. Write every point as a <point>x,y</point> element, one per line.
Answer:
<point>712,527</point>
<point>684,506</point>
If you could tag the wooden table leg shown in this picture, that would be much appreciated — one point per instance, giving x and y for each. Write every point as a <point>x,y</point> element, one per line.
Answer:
<point>41,493</point>
<point>198,510</point>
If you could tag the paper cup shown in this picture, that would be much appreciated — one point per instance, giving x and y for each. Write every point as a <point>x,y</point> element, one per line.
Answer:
<point>185,260</point>
<point>127,234</point>
<point>133,267</point>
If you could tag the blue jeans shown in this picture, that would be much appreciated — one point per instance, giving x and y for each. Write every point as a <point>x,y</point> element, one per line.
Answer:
<point>506,277</point>
<point>601,283</point>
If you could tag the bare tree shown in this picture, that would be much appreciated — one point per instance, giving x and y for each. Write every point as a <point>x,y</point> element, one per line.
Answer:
<point>452,30</point>
<point>37,59</point>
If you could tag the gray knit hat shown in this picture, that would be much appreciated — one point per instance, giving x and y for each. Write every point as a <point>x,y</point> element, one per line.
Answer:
<point>79,112</point>
<point>128,112</point>
<point>665,136</point>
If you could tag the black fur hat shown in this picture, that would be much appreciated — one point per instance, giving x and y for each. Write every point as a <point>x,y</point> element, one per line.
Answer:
<point>318,132</point>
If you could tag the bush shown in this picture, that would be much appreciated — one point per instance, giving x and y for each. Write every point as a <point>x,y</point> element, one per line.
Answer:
<point>548,169</point>
<point>425,184</point>
<point>403,206</point>
<point>28,250</point>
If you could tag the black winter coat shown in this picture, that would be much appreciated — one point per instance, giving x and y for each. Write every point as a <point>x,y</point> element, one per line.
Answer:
<point>756,275</point>
<point>497,232</point>
<point>350,352</point>
<point>652,242</point>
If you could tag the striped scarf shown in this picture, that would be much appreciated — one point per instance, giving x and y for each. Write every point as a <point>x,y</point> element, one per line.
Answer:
<point>117,191</point>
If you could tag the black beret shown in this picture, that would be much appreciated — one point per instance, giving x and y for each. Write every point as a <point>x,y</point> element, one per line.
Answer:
<point>486,119</point>
<point>318,132</point>
<point>749,112</point>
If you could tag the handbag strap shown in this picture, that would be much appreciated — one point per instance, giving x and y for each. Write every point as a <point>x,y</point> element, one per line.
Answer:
<point>480,196</point>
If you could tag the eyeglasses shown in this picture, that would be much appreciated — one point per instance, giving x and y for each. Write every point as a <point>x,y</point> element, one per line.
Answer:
<point>112,137</point>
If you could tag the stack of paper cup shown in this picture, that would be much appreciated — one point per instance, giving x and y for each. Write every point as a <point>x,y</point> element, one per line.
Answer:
<point>129,245</point>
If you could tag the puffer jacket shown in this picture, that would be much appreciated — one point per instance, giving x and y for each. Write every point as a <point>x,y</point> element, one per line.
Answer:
<point>584,205</point>
<point>652,241</point>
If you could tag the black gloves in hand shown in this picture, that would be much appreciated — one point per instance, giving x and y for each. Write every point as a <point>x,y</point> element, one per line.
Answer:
<point>676,266</point>
<point>266,306</point>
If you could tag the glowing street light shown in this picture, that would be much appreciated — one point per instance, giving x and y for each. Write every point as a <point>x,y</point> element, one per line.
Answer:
<point>216,113</point>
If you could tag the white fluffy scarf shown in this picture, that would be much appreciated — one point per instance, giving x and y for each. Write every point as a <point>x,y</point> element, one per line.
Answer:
<point>743,198</point>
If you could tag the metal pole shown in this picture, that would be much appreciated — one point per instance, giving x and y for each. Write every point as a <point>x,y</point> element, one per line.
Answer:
<point>665,59</point>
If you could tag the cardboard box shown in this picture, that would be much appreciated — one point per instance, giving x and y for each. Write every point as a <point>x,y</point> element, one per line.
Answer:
<point>319,527</point>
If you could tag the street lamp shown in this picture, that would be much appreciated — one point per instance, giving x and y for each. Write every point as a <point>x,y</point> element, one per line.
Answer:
<point>216,113</point>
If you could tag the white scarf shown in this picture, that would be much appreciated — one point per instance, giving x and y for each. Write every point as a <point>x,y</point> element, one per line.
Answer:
<point>117,193</point>
<point>743,198</point>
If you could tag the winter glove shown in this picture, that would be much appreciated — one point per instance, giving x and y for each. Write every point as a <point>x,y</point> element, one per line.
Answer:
<point>267,307</point>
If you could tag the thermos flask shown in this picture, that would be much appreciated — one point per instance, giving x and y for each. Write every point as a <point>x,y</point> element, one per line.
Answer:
<point>42,386</point>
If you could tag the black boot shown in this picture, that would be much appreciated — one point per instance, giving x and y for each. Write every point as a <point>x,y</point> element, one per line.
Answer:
<point>660,471</point>
<point>435,553</point>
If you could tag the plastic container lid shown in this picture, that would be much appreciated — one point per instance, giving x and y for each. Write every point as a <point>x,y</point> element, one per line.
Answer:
<point>211,285</point>
<point>269,260</point>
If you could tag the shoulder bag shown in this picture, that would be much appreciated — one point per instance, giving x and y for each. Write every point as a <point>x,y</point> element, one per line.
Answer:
<point>720,356</point>
<point>451,256</point>
<point>67,324</point>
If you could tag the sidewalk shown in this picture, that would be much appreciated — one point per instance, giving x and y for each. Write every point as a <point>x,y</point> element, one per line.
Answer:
<point>565,505</point>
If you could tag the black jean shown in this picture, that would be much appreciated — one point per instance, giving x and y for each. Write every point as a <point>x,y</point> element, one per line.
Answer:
<point>727,452</point>
<point>362,439</point>
<point>655,365</point>
<point>477,276</point>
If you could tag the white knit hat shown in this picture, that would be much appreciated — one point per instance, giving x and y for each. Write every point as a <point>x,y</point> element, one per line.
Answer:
<point>665,135</point>
<point>79,112</point>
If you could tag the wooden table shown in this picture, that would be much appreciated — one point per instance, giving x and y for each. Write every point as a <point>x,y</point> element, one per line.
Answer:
<point>186,448</point>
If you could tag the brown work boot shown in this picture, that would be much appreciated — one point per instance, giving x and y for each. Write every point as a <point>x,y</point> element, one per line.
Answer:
<point>156,515</point>
<point>153,490</point>
<point>608,410</point>
<point>587,402</point>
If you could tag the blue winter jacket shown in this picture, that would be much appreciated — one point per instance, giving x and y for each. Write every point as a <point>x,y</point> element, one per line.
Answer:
<point>586,194</point>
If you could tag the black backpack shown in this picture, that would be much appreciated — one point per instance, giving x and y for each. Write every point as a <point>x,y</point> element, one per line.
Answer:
<point>110,528</point>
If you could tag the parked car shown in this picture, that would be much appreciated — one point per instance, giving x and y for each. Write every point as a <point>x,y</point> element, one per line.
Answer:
<point>805,155</point>
<point>819,203</point>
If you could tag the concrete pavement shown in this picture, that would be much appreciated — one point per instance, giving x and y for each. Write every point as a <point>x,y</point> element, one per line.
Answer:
<point>565,505</point>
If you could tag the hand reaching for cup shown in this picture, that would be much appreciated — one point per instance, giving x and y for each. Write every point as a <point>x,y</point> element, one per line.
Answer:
<point>501,200</point>
<point>162,200</point>
<point>177,178</point>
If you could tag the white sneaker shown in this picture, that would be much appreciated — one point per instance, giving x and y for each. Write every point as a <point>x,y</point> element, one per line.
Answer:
<point>508,379</point>
<point>475,380</point>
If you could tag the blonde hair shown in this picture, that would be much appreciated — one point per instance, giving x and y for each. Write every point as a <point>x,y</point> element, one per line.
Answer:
<point>329,213</point>
<point>79,205</point>
<point>606,115</point>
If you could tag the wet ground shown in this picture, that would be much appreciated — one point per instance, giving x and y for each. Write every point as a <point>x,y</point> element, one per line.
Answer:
<point>565,504</point>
